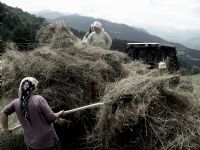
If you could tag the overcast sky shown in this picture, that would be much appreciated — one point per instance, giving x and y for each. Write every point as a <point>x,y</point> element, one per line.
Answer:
<point>180,14</point>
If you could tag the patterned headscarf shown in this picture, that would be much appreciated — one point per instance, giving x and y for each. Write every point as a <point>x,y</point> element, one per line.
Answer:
<point>27,86</point>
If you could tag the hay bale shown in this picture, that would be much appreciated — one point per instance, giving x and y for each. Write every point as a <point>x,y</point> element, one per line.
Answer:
<point>57,35</point>
<point>141,114</point>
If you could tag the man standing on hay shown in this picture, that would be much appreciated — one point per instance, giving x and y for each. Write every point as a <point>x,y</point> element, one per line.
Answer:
<point>99,37</point>
<point>35,116</point>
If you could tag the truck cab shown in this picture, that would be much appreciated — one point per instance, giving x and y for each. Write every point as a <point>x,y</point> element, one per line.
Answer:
<point>153,54</point>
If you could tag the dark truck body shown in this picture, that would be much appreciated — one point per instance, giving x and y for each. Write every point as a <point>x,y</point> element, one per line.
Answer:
<point>153,54</point>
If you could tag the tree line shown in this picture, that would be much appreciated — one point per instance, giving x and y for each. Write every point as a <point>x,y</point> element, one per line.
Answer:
<point>18,26</point>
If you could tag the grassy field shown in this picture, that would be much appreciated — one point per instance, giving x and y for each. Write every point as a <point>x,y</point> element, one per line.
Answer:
<point>196,82</point>
<point>196,79</point>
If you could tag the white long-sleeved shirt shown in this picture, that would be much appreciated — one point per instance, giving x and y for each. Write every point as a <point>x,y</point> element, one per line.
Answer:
<point>102,40</point>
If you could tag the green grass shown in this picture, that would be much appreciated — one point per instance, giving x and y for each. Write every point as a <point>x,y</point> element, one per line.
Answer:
<point>196,82</point>
<point>196,79</point>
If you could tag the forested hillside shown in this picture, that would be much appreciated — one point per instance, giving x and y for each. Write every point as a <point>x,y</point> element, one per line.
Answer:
<point>18,26</point>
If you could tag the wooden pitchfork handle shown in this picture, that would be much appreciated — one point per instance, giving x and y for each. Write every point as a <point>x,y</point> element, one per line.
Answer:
<point>15,128</point>
<point>71,111</point>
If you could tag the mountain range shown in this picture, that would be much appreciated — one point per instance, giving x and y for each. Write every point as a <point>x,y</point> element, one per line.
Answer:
<point>115,30</point>
<point>193,42</point>
<point>187,37</point>
<point>48,14</point>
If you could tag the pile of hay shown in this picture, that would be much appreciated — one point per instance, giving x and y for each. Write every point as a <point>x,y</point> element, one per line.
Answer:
<point>145,109</point>
<point>56,35</point>
<point>71,75</point>
<point>147,112</point>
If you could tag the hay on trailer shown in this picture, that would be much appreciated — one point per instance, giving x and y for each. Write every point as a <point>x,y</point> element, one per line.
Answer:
<point>143,112</point>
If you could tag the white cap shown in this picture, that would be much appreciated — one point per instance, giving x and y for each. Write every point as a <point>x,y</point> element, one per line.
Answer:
<point>92,25</point>
<point>97,24</point>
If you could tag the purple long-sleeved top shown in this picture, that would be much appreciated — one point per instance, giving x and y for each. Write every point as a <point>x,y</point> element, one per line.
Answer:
<point>40,134</point>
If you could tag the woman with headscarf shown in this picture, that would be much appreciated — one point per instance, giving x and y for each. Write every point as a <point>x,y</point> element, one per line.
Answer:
<point>99,37</point>
<point>35,117</point>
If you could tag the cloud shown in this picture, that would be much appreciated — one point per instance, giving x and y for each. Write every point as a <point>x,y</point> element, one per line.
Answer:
<point>160,13</point>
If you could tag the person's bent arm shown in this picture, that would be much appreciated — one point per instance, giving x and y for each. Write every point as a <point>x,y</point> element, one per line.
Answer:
<point>89,39</point>
<point>49,115</point>
<point>5,123</point>
<point>8,110</point>
<point>108,40</point>
<point>85,38</point>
